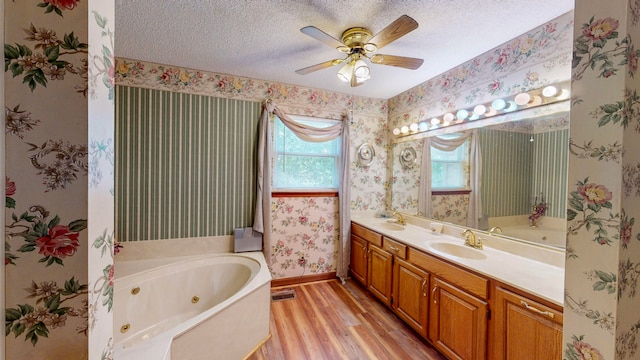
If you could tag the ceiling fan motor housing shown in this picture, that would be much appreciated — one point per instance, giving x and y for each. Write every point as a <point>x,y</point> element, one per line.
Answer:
<point>356,38</point>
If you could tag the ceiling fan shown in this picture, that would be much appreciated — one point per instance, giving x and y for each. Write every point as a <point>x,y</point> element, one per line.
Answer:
<point>359,43</point>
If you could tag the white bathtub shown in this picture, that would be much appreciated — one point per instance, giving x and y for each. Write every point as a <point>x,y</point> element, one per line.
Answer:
<point>540,235</point>
<point>192,307</point>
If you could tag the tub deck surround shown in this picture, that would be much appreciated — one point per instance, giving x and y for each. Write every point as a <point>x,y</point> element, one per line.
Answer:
<point>191,306</point>
<point>534,269</point>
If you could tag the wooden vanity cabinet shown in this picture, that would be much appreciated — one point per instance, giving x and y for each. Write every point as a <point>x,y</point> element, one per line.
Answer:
<point>449,305</point>
<point>380,273</point>
<point>526,329</point>
<point>458,322</point>
<point>359,264</point>
<point>411,295</point>
<point>458,310</point>
<point>361,237</point>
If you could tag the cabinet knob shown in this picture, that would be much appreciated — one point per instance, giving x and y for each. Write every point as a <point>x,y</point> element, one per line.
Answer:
<point>393,248</point>
<point>424,287</point>
<point>433,294</point>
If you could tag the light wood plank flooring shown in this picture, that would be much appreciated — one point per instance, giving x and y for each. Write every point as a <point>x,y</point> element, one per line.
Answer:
<point>327,320</point>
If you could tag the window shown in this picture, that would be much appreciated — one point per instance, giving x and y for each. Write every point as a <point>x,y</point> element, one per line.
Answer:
<point>302,165</point>
<point>450,169</point>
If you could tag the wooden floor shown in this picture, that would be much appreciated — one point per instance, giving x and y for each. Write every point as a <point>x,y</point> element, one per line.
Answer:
<point>327,320</point>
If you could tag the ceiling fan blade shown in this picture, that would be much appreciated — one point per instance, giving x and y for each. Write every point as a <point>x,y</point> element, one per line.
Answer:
<point>399,61</point>
<point>322,36</point>
<point>316,67</point>
<point>402,26</point>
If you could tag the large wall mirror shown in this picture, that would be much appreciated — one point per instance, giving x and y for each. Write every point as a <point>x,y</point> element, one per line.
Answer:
<point>524,165</point>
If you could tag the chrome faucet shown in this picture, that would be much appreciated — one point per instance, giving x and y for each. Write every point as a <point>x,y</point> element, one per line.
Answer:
<point>471,240</point>
<point>401,219</point>
<point>495,230</point>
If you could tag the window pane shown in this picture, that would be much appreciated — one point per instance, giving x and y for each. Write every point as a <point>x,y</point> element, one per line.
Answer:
<point>448,168</point>
<point>301,172</point>
<point>304,165</point>
<point>447,175</point>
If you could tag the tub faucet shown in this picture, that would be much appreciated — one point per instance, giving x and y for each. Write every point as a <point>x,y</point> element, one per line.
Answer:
<point>401,219</point>
<point>495,230</point>
<point>471,240</point>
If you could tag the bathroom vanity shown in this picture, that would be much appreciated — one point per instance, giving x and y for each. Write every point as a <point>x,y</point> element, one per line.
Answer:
<point>500,302</point>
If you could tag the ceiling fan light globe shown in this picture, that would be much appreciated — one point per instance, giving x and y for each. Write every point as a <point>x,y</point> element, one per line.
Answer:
<point>345,72</point>
<point>361,69</point>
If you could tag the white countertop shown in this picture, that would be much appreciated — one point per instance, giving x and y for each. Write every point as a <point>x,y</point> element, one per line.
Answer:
<point>536,270</point>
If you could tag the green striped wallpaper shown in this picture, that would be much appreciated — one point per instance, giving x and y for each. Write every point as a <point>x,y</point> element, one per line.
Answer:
<point>185,164</point>
<point>515,170</point>
<point>506,172</point>
<point>550,167</point>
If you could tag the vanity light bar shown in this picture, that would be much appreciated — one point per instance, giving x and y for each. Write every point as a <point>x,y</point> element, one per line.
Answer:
<point>525,100</point>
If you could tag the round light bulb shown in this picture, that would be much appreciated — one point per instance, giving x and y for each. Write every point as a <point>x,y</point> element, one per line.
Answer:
<point>462,114</point>
<point>522,99</point>
<point>564,94</point>
<point>404,129</point>
<point>448,117</point>
<point>512,107</point>
<point>535,100</point>
<point>396,131</point>
<point>498,104</point>
<point>480,110</point>
<point>423,126</point>
<point>549,91</point>
<point>435,121</point>
<point>413,127</point>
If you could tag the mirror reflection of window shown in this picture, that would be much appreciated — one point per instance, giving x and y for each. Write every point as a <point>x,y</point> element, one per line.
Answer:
<point>450,169</point>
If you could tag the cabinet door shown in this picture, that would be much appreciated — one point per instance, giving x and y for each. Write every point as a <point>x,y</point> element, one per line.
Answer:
<point>380,267</point>
<point>358,263</point>
<point>458,323</point>
<point>526,329</point>
<point>410,295</point>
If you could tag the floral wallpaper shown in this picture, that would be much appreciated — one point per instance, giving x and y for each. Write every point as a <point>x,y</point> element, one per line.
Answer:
<point>46,166</point>
<point>48,90</point>
<point>101,174</point>
<point>532,60</point>
<point>369,185</point>
<point>602,319</point>
<point>304,236</point>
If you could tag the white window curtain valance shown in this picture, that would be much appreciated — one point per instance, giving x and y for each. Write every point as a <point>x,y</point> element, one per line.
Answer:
<point>474,212</point>
<point>262,219</point>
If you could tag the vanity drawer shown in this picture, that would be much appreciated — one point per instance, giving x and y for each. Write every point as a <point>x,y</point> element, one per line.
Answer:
<point>466,280</point>
<point>394,247</point>
<point>371,236</point>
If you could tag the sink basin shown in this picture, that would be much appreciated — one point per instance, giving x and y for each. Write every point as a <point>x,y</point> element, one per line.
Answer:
<point>392,226</point>
<point>458,250</point>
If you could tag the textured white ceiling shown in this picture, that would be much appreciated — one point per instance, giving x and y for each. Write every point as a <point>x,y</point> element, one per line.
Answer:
<point>261,39</point>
